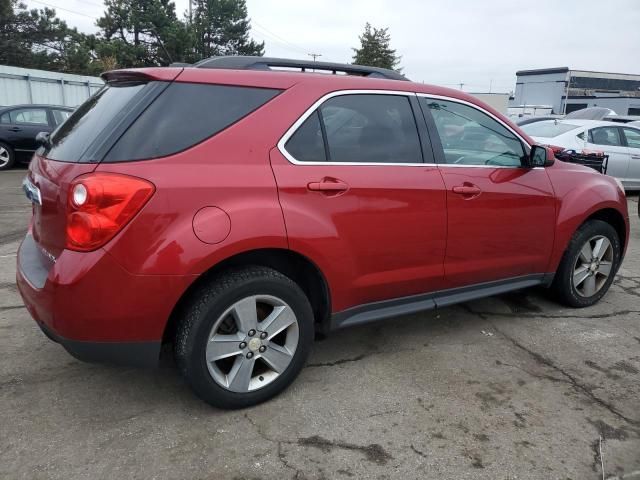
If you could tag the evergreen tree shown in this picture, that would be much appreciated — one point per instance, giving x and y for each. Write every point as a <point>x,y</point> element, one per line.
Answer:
<point>39,39</point>
<point>375,49</point>
<point>221,27</point>
<point>139,33</point>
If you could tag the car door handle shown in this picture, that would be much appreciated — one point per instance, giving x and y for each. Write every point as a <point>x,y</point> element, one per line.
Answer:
<point>330,185</point>
<point>467,190</point>
<point>15,129</point>
<point>635,157</point>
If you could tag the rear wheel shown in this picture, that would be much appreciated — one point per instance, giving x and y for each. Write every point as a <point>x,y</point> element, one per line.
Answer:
<point>7,156</point>
<point>245,337</point>
<point>589,265</point>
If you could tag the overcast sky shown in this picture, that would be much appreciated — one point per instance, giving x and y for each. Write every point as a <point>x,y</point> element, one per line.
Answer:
<point>446,42</point>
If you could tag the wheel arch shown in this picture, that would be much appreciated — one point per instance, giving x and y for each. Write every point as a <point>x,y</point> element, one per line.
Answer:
<point>292,264</point>
<point>609,213</point>
<point>614,218</point>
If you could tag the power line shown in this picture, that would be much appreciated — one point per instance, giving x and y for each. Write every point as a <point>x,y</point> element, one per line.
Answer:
<point>278,37</point>
<point>64,9</point>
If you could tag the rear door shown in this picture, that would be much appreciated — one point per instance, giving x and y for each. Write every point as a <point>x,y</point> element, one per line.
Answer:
<point>632,141</point>
<point>358,198</point>
<point>609,140</point>
<point>501,215</point>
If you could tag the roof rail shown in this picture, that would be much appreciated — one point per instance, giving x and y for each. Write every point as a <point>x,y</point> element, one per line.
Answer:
<point>268,63</point>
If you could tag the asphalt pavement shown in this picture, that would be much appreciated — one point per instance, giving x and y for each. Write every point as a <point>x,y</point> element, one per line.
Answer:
<point>510,387</point>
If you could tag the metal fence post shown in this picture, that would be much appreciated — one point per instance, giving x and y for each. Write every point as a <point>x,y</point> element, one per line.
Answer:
<point>64,97</point>
<point>29,89</point>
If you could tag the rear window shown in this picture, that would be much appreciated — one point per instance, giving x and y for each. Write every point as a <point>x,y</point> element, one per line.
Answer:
<point>548,129</point>
<point>73,137</point>
<point>186,114</point>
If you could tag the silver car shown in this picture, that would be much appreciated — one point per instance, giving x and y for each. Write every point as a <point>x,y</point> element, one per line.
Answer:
<point>621,141</point>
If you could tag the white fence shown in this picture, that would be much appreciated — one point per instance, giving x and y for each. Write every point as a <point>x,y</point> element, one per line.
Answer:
<point>23,85</point>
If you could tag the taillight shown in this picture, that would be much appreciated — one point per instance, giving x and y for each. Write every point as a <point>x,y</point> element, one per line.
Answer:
<point>100,204</point>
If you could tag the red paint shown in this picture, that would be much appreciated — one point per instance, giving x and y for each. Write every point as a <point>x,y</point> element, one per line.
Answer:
<point>211,225</point>
<point>374,232</point>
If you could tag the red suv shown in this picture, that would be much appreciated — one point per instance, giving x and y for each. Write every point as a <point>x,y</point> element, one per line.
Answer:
<point>233,210</point>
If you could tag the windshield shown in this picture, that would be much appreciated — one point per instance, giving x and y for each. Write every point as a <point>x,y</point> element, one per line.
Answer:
<point>548,129</point>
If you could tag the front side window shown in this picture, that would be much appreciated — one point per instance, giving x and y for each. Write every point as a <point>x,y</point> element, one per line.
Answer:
<point>33,116</point>
<point>5,118</point>
<point>470,137</point>
<point>606,136</point>
<point>359,128</point>
<point>633,137</point>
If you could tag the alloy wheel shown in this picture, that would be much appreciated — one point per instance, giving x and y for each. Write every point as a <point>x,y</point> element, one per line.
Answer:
<point>593,266</point>
<point>4,157</point>
<point>252,343</point>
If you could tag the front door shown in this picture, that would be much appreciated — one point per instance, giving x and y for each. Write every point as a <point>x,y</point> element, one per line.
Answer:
<point>359,200</point>
<point>501,215</point>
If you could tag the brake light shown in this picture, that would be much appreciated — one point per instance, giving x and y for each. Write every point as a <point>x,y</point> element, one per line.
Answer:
<point>100,204</point>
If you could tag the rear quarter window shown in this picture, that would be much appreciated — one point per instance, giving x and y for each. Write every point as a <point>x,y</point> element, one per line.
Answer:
<point>184,115</point>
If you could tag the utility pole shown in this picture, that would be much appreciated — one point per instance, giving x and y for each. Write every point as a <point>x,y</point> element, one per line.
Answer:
<point>314,55</point>
<point>190,19</point>
<point>461,85</point>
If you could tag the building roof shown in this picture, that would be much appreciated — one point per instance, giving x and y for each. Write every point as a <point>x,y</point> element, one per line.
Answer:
<point>542,71</point>
<point>575,72</point>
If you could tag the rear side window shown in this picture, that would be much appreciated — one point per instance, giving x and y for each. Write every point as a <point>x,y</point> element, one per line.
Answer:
<point>5,118</point>
<point>183,115</point>
<point>73,137</point>
<point>371,129</point>
<point>359,128</point>
<point>307,144</point>
<point>60,115</point>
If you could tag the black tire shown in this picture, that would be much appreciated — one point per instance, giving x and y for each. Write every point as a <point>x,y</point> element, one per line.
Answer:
<point>563,285</point>
<point>208,303</point>
<point>12,157</point>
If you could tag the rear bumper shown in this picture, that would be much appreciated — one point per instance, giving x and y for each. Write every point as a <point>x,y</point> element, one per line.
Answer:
<point>137,354</point>
<point>94,308</point>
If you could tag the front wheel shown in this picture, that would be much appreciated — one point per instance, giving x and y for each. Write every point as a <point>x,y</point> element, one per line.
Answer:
<point>589,265</point>
<point>245,337</point>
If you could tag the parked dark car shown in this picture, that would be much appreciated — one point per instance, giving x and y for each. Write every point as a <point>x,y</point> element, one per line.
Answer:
<point>19,125</point>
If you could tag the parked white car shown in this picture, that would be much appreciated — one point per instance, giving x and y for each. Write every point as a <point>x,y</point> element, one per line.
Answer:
<point>618,140</point>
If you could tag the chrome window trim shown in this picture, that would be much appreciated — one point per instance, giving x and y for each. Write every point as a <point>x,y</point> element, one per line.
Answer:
<point>291,130</point>
<point>338,93</point>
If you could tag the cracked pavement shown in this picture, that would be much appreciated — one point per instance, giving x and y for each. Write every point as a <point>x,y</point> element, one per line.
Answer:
<point>431,395</point>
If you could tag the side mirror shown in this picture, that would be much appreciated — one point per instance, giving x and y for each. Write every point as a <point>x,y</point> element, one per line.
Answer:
<point>540,156</point>
<point>42,139</point>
